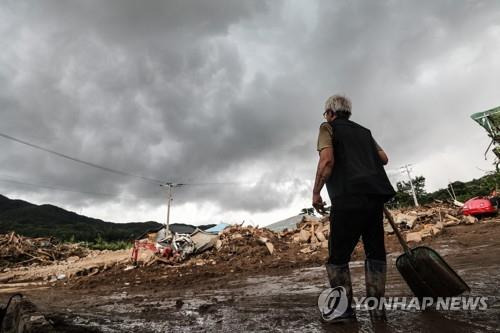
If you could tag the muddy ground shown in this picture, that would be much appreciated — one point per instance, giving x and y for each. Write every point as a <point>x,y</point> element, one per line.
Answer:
<point>265,293</point>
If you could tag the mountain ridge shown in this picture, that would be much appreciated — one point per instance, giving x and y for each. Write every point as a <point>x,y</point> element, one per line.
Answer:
<point>48,220</point>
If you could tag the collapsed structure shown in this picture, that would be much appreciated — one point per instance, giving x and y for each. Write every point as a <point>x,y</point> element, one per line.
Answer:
<point>16,250</point>
<point>230,247</point>
<point>309,235</point>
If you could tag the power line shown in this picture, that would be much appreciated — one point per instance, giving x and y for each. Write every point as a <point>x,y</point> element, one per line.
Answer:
<point>18,182</point>
<point>123,173</point>
<point>205,184</point>
<point>74,159</point>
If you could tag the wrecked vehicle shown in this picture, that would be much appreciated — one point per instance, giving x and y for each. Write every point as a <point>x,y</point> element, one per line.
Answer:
<point>479,206</point>
<point>172,245</point>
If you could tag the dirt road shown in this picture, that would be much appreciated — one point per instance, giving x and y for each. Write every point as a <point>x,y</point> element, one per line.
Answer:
<point>276,297</point>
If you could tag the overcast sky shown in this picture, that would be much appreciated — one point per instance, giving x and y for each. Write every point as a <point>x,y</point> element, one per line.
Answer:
<point>233,91</point>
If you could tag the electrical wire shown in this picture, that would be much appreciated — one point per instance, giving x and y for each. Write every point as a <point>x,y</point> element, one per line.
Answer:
<point>19,182</point>
<point>74,159</point>
<point>123,173</point>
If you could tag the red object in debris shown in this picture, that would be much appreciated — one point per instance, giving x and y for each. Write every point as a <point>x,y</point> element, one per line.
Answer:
<point>478,206</point>
<point>162,251</point>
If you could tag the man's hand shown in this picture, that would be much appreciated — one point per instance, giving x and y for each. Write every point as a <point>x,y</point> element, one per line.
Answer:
<point>318,204</point>
<point>323,172</point>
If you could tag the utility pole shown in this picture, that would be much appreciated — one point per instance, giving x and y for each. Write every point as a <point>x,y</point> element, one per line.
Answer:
<point>170,186</point>
<point>168,206</point>
<point>406,167</point>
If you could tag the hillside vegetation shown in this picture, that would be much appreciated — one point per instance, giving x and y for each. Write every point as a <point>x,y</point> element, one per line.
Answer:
<point>33,220</point>
<point>463,190</point>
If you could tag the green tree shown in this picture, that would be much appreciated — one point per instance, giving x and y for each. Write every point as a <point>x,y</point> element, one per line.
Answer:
<point>404,197</point>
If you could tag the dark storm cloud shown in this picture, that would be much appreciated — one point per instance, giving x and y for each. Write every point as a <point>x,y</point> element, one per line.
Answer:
<point>230,91</point>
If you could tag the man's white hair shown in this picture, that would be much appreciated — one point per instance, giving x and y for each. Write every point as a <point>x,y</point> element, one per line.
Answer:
<point>338,103</point>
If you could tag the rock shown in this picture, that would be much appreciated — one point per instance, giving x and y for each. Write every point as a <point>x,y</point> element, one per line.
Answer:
<point>61,276</point>
<point>414,237</point>
<point>262,240</point>
<point>218,244</point>
<point>304,235</point>
<point>451,217</point>
<point>320,236</point>
<point>427,232</point>
<point>326,229</point>
<point>388,228</point>
<point>451,223</point>
<point>430,230</point>
<point>306,250</point>
<point>469,219</point>
<point>406,221</point>
<point>435,230</point>
<point>313,240</point>
<point>324,244</point>
<point>439,225</point>
<point>72,259</point>
<point>270,247</point>
<point>296,238</point>
<point>236,236</point>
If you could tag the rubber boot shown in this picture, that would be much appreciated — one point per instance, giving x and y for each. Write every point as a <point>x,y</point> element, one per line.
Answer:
<point>375,275</point>
<point>340,276</point>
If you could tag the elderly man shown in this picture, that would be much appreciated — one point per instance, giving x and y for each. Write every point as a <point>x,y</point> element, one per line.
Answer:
<point>351,164</point>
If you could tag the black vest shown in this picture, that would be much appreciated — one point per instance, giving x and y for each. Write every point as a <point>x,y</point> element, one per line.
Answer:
<point>357,169</point>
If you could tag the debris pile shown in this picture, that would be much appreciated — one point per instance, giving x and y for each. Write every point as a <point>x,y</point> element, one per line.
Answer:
<point>427,221</point>
<point>244,242</point>
<point>311,233</point>
<point>16,250</point>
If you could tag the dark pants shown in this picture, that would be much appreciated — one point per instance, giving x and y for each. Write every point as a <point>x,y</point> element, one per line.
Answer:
<point>348,225</point>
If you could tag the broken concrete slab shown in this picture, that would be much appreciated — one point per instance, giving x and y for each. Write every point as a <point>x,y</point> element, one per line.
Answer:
<point>451,223</point>
<point>414,237</point>
<point>451,217</point>
<point>320,236</point>
<point>388,228</point>
<point>435,230</point>
<point>270,247</point>
<point>304,235</point>
<point>306,250</point>
<point>439,225</point>
<point>469,219</point>
<point>406,221</point>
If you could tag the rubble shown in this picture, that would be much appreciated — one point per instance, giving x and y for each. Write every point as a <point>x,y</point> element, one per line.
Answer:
<point>468,219</point>
<point>414,237</point>
<point>427,221</point>
<point>16,250</point>
<point>312,233</point>
<point>406,221</point>
<point>234,247</point>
